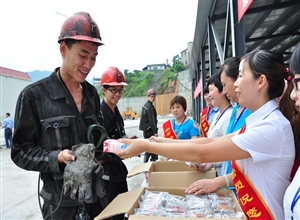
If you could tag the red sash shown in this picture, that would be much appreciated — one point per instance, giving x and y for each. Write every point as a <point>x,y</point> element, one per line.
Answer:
<point>168,130</point>
<point>204,125</point>
<point>250,200</point>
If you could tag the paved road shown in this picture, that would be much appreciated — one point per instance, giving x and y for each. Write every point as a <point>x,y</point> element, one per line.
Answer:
<point>19,188</point>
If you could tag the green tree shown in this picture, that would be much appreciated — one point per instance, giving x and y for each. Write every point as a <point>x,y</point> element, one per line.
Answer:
<point>176,59</point>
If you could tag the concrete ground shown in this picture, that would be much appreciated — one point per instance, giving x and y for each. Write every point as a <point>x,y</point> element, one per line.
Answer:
<point>19,188</point>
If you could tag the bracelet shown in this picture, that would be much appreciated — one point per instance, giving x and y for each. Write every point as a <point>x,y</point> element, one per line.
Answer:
<point>227,180</point>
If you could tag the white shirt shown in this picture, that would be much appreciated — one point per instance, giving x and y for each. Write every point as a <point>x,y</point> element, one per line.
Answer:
<point>219,127</point>
<point>269,140</point>
<point>289,196</point>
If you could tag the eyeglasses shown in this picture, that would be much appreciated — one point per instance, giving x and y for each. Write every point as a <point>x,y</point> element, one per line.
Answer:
<point>295,83</point>
<point>115,91</point>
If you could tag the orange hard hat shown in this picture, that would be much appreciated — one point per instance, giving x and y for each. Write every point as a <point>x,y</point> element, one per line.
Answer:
<point>112,76</point>
<point>80,26</point>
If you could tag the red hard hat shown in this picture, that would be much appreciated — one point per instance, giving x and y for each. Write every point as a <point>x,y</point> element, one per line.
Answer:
<point>112,76</point>
<point>80,26</point>
<point>151,92</point>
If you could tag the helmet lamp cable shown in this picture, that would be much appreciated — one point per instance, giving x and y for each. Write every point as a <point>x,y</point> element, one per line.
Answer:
<point>61,195</point>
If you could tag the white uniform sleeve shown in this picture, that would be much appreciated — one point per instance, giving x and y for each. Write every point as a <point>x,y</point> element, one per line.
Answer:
<point>263,141</point>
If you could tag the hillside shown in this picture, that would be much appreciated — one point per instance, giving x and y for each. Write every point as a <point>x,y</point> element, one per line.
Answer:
<point>162,81</point>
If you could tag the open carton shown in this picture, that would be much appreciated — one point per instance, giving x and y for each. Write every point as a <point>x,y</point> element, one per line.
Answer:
<point>127,202</point>
<point>170,173</point>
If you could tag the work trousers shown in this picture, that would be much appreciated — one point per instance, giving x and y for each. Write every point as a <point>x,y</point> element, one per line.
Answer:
<point>8,137</point>
<point>71,213</point>
<point>153,157</point>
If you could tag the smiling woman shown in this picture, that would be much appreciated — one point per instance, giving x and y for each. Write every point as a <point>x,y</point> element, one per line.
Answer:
<point>219,99</point>
<point>179,127</point>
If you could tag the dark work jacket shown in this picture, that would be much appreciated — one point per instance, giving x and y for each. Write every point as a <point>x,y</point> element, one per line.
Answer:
<point>47,121</point>
<point>115,170</point>
<point>148,118</point>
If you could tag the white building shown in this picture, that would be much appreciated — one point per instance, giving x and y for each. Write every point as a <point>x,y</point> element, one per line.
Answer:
<point>96,83</point>
<point>186,55</point>
<point>12,82</point>
<point>153,67</point>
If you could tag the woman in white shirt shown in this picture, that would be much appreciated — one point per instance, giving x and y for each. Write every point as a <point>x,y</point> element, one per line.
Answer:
<point>262,153</point>
<point>218,98</point>
<point>291,201</point>
<point>221,120</point>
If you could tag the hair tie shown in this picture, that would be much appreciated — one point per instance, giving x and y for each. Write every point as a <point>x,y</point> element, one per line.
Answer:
<point>288,75</point>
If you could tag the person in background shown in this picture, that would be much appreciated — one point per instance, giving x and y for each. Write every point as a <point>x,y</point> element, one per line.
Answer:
<point>8,125</point>
<point>179,127</point>
<point>207,114</point>
<point>148,122</point>
<point>262,152</point>
<point>291,201</point>
<point>54,114</point>
<point>115,171</point>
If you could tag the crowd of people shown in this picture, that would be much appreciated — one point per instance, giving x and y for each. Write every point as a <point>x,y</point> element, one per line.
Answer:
<point>264,152</point>
<point>253,140</point>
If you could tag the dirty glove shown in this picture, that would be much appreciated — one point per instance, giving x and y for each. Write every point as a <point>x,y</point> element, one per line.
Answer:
<point>79,174</point>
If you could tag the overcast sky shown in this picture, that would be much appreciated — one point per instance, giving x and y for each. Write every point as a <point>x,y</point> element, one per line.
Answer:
<point>135,32</point>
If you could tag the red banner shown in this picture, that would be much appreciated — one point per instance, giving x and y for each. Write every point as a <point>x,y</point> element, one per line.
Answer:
<point>198,89</point>
<point>243,6</point>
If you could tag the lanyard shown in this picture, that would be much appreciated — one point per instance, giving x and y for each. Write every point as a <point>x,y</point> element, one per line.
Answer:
<point>222,114</point>
<point>295,199</point>
<point>180,124</point>
<point>236,121</point>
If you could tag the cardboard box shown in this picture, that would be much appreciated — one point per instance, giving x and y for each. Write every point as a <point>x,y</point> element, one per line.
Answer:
<point>170,173</point>
<point>127,202</point>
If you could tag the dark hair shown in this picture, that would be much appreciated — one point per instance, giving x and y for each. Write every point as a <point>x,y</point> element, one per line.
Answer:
<point>270,64</point>
<point>295,61</point>
<point>70,42</point>
<point>214,79</point>
<point>292,113</point>
<point>179,100</point>
<point>8,114</point>
<point>205,89</point>
<point>230,67</point>
<point>287,105</point>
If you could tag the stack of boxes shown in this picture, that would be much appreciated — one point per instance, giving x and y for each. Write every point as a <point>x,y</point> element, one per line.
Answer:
<point>163,176</point>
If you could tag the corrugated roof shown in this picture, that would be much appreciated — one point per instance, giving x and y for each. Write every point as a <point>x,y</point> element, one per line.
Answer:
<point>14,73</point>
<point>267,24</point>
